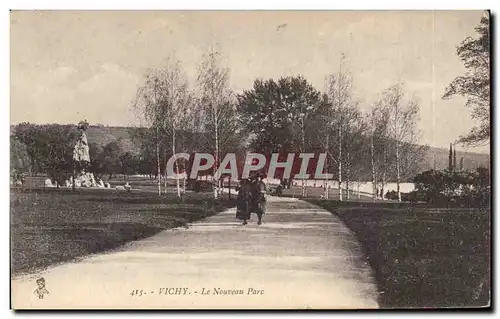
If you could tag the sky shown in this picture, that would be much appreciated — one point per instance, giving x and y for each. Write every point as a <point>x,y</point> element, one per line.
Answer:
<point>72,65</point>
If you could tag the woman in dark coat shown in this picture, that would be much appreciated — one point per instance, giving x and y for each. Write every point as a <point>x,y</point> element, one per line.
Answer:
<point>244,201</point>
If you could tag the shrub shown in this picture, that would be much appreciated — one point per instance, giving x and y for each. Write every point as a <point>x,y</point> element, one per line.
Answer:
<point>457,188</point>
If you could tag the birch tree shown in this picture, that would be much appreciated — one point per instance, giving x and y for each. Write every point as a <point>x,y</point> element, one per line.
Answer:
<point>148,106</point>
<point>214,100</point>
<point>354,146</point>
<point>176,100</point>
<point>402,129</point>
<point>339,92</point>
<point>163,101</point>
<point>380,155</point>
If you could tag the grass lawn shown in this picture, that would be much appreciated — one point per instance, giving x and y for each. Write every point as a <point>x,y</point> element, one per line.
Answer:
<point>52,226</point>
<point>422,257</point>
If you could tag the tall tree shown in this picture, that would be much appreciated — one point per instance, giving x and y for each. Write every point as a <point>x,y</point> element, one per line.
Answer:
<point>474,85</point>
<point>144,139</point>
<point>402,128</point>
<point>450,158</point>
<point>343,109</point>
<point>215,101</point>
<point>301,102</point>
<point>147,103</point>
<point>28,134</point>
<point>176,101</point>
<point>19,158</point>
<point>354,147</point>
<point>97,164</point>
<point>49,146</point>
<point>111,158</point>
<point>164,102</point>
<point>381,152</point>
<point>280,116</point>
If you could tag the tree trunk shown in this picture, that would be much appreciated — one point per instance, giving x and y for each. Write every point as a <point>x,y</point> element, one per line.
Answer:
<point>374,178</point>
<point>340,164</point>
<point>216,181</point>
<point>327,192</point>
<point>382,186</point>
<point>347,183</point>
<point>398,170</point>
<point>165,179</point>
<point>303,149</point>
<point>176,165</point>
<point>384,174</point>
<point>158,160</point>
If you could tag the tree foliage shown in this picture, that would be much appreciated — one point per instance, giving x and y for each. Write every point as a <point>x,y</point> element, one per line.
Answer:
<point>279,115</point>
<point>19,158</point>
<point>474,85</point>
<point>50,147</point>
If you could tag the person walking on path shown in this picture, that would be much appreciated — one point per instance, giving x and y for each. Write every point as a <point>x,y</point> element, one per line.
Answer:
<point>244,201</point>
<point>260,202</point>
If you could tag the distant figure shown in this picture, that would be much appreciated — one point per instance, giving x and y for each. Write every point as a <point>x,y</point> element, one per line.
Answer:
<point>67,183</point>
<point>127,187</point>
<point>41,291</point>
<point>107,185</point>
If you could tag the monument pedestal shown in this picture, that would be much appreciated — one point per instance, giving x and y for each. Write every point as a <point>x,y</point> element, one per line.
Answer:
<point>84,179</point>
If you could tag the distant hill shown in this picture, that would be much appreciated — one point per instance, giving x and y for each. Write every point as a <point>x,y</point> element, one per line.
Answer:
<point>436,158</point>
<point>102,135</point>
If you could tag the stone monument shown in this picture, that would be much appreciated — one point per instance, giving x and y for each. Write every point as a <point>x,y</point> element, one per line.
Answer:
<point>82,157</point>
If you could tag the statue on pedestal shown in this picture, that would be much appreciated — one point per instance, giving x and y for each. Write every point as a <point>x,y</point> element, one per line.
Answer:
<point>81,150</point>
<point>81,156</point>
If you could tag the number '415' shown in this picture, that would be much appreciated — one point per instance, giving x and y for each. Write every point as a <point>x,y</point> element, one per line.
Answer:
<point>136,292</point>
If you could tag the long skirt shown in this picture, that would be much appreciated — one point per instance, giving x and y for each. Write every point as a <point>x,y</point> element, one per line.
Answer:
<point>260,208</point>
<point>243,210</point>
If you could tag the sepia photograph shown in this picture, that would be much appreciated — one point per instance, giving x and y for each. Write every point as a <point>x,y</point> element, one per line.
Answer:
<point>250,160</point>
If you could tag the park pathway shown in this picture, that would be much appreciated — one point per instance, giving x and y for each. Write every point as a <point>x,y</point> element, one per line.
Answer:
<point>301,257</point>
